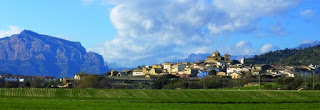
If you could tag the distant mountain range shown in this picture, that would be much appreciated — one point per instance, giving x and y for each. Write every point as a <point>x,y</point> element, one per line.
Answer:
<point>30,53</point>
<point>312,44</point>
<point>114,66</point>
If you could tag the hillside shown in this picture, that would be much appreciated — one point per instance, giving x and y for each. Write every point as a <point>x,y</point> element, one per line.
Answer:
<point>305,56</point>
<point>33,54</point>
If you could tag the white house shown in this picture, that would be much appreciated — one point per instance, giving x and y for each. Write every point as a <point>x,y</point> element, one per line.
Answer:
<point>138,72</point>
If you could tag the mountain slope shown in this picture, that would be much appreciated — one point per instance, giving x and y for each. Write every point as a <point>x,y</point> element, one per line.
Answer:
<point>305,56</point>
<point>29,53</point>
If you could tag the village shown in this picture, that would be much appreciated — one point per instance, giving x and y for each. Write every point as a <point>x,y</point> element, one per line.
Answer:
<point>218,65</point>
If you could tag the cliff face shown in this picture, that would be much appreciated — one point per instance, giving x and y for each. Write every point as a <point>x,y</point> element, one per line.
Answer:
<point>29,53</point>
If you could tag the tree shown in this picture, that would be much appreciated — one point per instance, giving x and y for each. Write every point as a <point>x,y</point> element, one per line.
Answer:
<point>161,82</point>
<point>88,81</point>
<point>290,83</point>
<point>37,83</point>
<point>248,74</point>
<point>233,62</point>
<point>213,73</point>
<point>214,82</point>
<point>105,83</point>
<point>312,80</point>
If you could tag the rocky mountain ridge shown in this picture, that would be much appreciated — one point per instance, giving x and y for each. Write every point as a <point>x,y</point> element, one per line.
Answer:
<point>30,53</point>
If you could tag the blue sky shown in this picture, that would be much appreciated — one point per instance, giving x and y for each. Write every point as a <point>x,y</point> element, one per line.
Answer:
<point>72,19</point>
<point>136,32</point>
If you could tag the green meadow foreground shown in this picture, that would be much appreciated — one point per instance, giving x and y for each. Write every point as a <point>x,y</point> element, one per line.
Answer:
<point>36,98</point>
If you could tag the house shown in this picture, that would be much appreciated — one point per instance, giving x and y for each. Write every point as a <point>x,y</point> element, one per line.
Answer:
<point>78,76</point>
<point>181,67</point>
<point>124,73</point>
<point>221,74</point>
<point>202,73</point>
<point>156,70</point>
<point>21,79</point>
<point>146,70</point>
<point>272,72</point>
<point>237,69</point>
<point>259,68</point>
<point>233,69</point>
<point>174,69</point>
<point>131,82</point>
<point>167,67</point>
<point>121,74</point>
<point>285,70</point>
<point>10,78</point>
<point>138,72</point>
<point>66,82</point>
<point>199,66</point>
<point>235,75</point>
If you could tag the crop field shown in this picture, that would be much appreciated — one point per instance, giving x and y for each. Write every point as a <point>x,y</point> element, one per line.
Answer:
<point>47,98</point>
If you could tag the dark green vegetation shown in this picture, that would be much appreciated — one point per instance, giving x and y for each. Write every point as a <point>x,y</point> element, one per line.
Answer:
<point>36,98</point>
<point>289,57</point>
<point>216,82</point>
<point>211,82</point>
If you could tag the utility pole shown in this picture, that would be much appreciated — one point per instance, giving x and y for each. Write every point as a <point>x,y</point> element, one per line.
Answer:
<point>312,80</point>
<point>223,82</point>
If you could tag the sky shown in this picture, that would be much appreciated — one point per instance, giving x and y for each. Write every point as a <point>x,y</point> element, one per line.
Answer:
<point>142,32</point>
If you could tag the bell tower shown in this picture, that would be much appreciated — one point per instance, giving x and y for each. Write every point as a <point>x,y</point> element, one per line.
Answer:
<point>227,58</point>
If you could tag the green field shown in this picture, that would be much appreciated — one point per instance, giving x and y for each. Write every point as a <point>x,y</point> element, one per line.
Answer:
<point>36,98</point>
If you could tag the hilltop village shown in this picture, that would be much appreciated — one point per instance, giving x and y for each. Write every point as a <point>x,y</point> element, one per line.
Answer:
<point>216,71</point>
<point>215,64</point>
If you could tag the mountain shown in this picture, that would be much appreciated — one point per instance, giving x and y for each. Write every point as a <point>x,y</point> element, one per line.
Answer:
<point>114,66</point>
<point>303,46</point>
<point>195,57</point>
<point>304,56</point>
<point>30,53</point>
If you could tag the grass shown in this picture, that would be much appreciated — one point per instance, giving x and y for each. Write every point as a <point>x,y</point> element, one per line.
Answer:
<point>37,98</point>
<point>262,87</point>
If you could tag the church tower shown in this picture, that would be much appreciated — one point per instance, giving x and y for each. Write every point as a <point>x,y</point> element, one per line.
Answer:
<point>243,60</point>
<point>227,58</point>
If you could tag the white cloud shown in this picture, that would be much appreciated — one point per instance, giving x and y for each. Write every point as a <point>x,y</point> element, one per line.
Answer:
<point>241,48</point>
<point>245,48</point>
<point>308,14</point>
<point>267,47</point>
<point>151,31</point>
<point>242,44</point>
<point>12,30</point>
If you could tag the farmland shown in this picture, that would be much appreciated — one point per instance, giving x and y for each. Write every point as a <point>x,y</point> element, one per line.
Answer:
<point>37,98</point>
